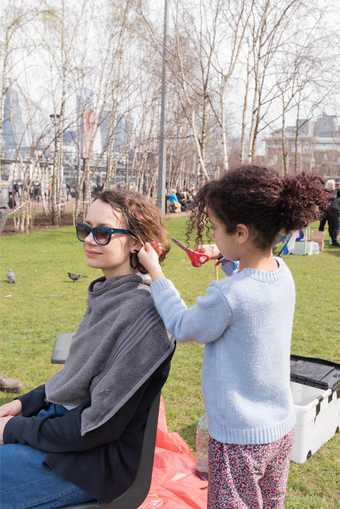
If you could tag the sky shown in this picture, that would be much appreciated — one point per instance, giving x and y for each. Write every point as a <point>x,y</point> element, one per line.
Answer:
<point>32,75</point>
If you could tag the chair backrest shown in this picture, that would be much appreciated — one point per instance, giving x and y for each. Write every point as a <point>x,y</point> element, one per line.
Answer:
<point>134,496</point>
<point>61,348</point>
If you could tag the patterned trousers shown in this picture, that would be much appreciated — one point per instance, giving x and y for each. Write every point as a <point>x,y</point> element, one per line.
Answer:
<point>248,476</point>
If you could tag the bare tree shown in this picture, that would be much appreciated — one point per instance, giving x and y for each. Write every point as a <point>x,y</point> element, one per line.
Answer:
<point>58,43</point>
<point>191,64</point>
<point>268,30</point>
<point>12,21</point>
<point>234,21</point>
<point>305,78</point>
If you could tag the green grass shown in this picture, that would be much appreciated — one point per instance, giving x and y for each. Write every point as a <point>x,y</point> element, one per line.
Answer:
<point>44,302</point>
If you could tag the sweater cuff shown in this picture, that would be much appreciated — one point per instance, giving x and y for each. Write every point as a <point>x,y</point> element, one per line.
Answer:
<point>13,429</point>
<point>32,401</point>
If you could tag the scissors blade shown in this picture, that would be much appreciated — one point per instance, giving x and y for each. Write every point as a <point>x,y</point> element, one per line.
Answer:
<point>181,245</point>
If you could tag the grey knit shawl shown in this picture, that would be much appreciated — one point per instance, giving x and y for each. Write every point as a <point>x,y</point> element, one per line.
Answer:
<point>120,342</point>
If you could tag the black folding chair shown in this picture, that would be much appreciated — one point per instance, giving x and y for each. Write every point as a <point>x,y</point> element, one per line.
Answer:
<point>134,496</point>
<point>61,348</point>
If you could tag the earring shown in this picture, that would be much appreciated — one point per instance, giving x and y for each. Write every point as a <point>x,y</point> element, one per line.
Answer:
<point>134,260</point>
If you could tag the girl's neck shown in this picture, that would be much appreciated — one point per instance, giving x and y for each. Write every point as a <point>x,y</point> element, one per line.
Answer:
<point>259,260</point>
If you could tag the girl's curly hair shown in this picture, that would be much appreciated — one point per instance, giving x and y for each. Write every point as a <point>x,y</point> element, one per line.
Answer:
<point>142,217</point>
<point>259,198</point>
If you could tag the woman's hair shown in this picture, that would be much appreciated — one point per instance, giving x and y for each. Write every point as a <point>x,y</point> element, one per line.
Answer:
<point>142,217</point>
<point>259,198</point>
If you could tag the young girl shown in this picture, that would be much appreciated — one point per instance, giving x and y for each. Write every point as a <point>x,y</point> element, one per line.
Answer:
<point>246,322</point>
<point>78,437</point>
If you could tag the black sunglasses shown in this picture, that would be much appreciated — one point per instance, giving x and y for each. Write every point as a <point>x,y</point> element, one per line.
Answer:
<point>101,234</point>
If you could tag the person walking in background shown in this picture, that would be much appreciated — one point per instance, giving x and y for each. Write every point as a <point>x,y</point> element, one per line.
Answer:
<point>332,214</point>
<point>245,323</point>
<point>335,213</point>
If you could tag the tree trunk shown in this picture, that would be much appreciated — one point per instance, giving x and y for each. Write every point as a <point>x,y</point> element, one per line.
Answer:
<point>296,138</point>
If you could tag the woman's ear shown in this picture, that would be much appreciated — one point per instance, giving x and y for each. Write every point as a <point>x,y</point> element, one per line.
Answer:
<point>135,246</point>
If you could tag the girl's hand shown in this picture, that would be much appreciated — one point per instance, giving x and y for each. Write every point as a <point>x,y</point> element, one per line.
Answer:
<point>11,409</point>
<point>3,422</point>
<point>210,250</point>
<point>149,258</point>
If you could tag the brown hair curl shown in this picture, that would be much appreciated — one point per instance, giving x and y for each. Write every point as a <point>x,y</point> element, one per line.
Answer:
<point>259,198</point>
<point>142,217</point>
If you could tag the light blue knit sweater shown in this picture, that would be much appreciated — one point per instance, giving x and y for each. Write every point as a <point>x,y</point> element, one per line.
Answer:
<point>246,322</point>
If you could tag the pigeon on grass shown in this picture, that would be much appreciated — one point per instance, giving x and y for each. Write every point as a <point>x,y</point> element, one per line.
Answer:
<point>74,276</point>
<point>11,278</point>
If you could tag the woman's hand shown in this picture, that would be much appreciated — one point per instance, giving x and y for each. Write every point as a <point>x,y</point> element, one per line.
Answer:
<point>11,409</point>
<point>149,258</point>
<point>3,422</point>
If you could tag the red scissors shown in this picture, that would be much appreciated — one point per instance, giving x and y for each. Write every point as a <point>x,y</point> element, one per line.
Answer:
<point>197,257</point>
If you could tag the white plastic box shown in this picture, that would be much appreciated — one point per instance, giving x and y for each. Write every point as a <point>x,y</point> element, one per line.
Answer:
<point>317,419</point>
<point>317,409</point>
<point>306,247</point>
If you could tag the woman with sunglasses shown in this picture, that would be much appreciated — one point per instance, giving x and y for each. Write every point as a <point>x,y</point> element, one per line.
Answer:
<point>78,437</point>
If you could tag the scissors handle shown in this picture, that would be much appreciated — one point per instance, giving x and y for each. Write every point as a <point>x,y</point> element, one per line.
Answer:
<point>203,257</point>
<point>197,257</point>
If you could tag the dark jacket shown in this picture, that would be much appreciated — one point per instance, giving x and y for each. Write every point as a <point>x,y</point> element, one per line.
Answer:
<point>335,206</point>
<point>331,215</point>
<point>104,461</point>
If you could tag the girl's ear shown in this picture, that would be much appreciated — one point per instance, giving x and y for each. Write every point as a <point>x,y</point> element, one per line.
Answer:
<point>242,233</point>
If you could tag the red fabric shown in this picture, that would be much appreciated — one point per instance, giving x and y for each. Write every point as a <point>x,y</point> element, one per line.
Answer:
<point>174,484</point>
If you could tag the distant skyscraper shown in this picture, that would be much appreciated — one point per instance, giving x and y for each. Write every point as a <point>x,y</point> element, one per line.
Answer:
<point>119,133</point>
<point>14,132</point>
<point>69,137</point>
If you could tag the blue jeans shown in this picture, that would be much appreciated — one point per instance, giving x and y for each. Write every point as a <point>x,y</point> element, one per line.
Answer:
<point>26,483</point>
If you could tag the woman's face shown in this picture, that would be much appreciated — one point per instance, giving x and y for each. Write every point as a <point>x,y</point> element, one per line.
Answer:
<point>114,258</point>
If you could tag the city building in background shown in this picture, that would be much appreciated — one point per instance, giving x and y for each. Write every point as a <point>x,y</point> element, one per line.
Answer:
<point>14,131</point>
<point>119,131</point>
<point>311,146</point>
